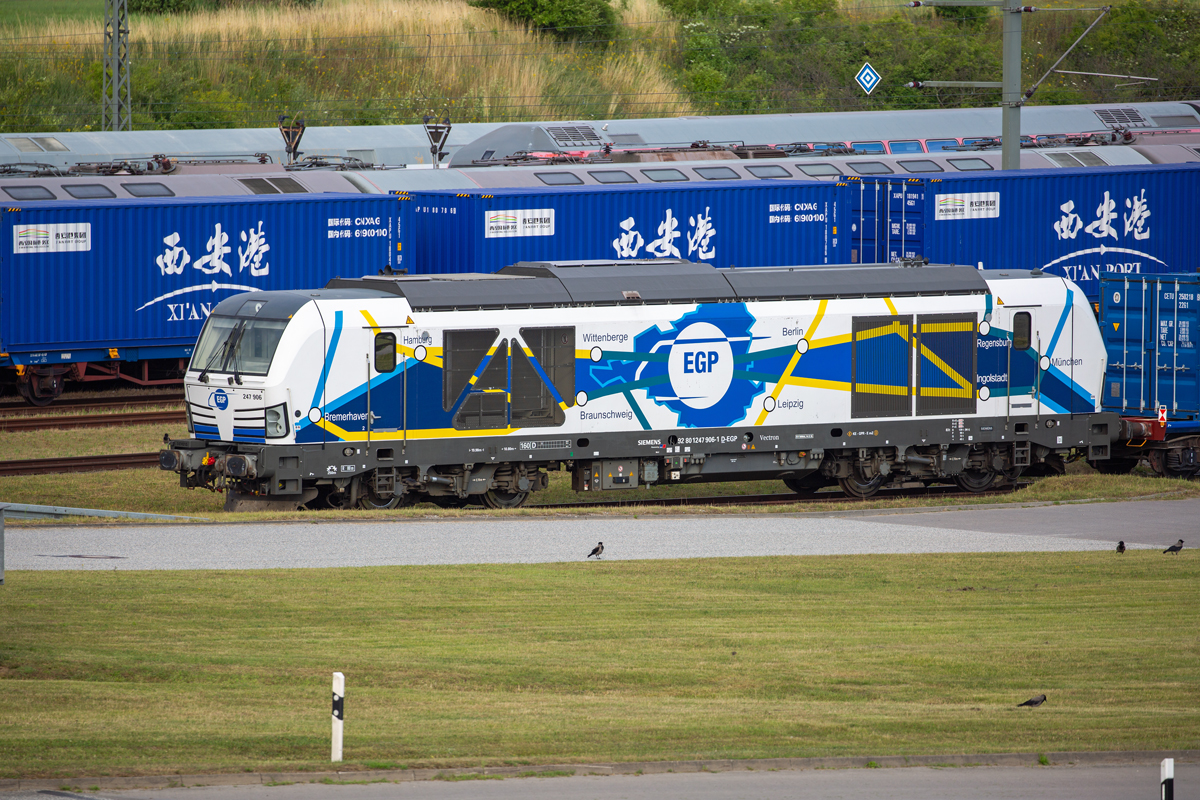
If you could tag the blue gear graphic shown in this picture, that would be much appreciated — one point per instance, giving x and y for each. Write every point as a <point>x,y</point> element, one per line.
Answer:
<point>734,321</point>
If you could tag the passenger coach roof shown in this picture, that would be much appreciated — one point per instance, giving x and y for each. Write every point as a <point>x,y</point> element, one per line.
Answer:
<point>531,284</point>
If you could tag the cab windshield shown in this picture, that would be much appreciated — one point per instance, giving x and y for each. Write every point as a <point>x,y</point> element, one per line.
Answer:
<point>244,346</point>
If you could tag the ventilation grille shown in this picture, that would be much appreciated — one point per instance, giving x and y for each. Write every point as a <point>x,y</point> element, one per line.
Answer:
<point>574,135</point>
<point>1120,117</point>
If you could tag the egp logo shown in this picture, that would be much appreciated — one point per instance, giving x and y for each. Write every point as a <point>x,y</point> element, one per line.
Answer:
<point>218,400</point>
<point>700,365</point>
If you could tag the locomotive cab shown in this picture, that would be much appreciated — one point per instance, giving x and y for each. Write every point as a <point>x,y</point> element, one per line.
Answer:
<point>256,377</point>
<point>227,375</point>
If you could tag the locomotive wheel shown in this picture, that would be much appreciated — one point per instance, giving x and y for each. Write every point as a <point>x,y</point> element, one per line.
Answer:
<point>448,501</point>
<point>375,502</point>
<point>857,486</point>
<point>497,499</point>
<point>809,483</point>
<point>1114,466</point>
<point>974,481</point>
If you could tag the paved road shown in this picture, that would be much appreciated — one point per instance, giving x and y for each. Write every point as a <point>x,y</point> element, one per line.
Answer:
<point>1115,782</point>
<point>1149,521</point>
<point>1144,524</point>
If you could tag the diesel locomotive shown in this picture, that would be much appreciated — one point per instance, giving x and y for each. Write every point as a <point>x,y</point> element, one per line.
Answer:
<point>463,388</point>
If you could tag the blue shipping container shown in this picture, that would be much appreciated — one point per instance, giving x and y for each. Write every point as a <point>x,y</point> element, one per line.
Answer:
<point>1149,324</point>
<point>726,224</point>
<point>1077,223</point>
<point>885,220</point>
<point>140,277</point>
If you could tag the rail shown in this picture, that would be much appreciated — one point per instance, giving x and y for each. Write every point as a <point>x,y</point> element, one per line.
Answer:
<point>51,466</point>
<point>22,409</point>
<point>90,420</point>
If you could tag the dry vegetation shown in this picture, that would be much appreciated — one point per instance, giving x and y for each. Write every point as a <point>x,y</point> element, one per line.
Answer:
<point>355,61</point>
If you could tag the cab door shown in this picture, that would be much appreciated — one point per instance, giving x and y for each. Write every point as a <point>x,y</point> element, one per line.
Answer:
<point>1024,352</point>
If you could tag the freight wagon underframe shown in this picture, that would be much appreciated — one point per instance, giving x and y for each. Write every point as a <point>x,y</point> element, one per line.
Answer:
<point>41,384</point>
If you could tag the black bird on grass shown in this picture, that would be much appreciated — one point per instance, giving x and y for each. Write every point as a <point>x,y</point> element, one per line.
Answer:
<point>1121,547</point>
<point>1175,548</point>
<point>1034,701</point>
<point>597,551</point>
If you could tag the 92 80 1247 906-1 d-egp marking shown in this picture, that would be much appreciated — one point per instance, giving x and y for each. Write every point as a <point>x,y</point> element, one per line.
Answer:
<point>469,388</point>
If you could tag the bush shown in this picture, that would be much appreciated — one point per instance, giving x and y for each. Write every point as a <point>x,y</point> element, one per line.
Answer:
<point>964,16</point>
<point>163,6</point>
<point>187,6</point>
<point>587,20</point>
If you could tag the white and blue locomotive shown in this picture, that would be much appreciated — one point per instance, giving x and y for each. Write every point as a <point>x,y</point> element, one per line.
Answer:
<point>470,387</point>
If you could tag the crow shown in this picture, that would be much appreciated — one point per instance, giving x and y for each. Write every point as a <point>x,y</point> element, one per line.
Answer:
<point>1034,701</point>
<point>1120,547</point>
<point>597,551</point>
<point>1175,548</point>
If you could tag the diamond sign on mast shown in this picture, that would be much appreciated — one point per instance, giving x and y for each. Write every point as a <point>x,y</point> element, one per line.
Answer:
<point>867,78</point>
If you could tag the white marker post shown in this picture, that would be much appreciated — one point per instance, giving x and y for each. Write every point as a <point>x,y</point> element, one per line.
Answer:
<point>339,696</point>
<point>1166,772</point>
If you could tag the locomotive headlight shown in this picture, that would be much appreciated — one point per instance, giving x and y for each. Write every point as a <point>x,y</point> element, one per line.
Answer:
<point>277,421</point>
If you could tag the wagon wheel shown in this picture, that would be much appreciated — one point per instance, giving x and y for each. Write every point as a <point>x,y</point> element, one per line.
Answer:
<point>858,486</point>
<point>26,391</point>
<point>975,481</point>
<point>497,499</point>
<point>1158,463</point>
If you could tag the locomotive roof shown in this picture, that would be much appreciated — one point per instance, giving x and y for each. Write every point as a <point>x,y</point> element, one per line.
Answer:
<point>532,284</point>
<point>281,304</point>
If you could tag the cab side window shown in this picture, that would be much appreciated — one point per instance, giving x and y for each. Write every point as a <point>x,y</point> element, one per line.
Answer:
<point>385,352</point>
<point>1022,330</point>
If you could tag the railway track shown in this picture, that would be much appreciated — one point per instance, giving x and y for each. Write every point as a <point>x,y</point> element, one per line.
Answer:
<point>90,420</point>
<point>48,466</point>
<point>22,409</point>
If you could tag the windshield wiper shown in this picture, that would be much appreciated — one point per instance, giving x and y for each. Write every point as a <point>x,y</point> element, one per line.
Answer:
<point>221,353</point>
<point>235,346</point>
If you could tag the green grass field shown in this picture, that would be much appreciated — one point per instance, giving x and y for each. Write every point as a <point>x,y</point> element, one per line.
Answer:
<point>152,673</point>
<point>14,12</point>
